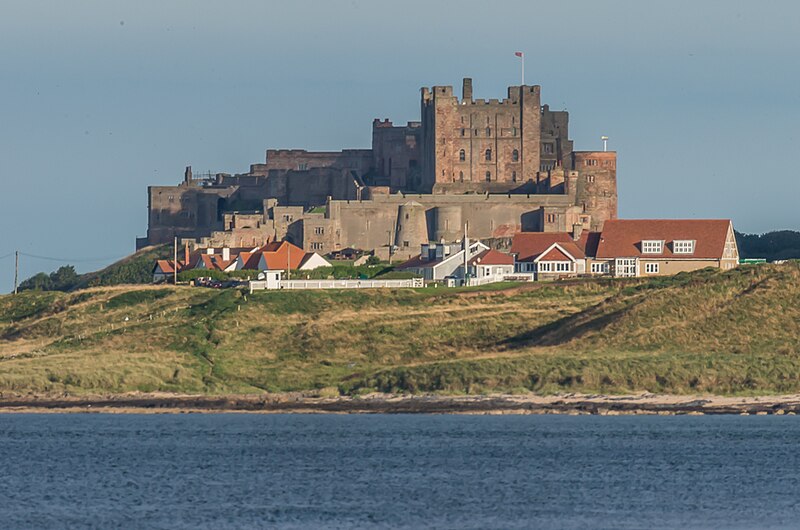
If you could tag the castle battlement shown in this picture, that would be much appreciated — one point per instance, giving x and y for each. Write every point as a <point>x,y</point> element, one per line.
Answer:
<point>498,165</point>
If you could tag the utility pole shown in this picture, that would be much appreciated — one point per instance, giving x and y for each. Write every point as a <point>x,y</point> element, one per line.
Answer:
<point>16,271</point>
<point>175,261</point>
<point>288,261</point>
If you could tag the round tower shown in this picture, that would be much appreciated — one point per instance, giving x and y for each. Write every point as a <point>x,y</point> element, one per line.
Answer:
<point>448,223</point>
<point>412,229</point>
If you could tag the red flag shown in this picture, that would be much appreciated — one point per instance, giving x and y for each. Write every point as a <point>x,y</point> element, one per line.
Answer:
<point>519,54</point>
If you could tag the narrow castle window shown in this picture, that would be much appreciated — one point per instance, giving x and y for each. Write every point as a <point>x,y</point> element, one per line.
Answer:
<point>488,131</point>
<point>488,176</point>
<point>461,176</point>
<point>551,218</point>
<point>515,156</point>
<point>488,155</point>
<point>513,176</point>
<point>513,131</point>
<point>462,155</point>
<point>590,178</point>
<point>463,132</point>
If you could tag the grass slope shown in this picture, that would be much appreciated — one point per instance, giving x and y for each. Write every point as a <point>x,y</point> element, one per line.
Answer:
<point>727,333</point>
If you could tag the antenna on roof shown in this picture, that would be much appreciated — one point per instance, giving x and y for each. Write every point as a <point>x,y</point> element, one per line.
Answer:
<point>605,143</point>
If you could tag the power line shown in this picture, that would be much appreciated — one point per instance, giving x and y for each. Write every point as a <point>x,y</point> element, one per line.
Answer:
<point>70,260</point>
<point>4,256</point>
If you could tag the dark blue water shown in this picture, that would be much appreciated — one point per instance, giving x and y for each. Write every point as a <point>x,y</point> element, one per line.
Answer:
<point>300,471</point>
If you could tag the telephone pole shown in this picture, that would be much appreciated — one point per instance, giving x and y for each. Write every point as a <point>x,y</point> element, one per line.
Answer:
<point>16,271</point>
<point>175,261</point>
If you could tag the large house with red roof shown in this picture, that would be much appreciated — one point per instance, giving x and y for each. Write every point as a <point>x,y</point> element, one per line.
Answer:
<point>629,248</point>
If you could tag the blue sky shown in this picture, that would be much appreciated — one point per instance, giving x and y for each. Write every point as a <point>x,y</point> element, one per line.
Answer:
<point>102,98</point>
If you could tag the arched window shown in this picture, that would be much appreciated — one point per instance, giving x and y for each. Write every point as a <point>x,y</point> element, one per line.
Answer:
<point>488,176</point>
<point>515,156</point>
<point>462,155</point>
<point>488,155</point>
<point>488,131</point>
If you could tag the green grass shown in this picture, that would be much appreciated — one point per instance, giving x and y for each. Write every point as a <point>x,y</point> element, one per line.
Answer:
<point>736,332</point>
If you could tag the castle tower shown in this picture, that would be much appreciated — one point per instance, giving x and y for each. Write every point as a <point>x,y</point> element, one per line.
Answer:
<point>447,222</point>
<point>412,228</point>
<point>476,145</point>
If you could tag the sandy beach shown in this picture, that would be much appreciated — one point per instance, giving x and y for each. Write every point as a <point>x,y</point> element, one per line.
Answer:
<point>575,404</point>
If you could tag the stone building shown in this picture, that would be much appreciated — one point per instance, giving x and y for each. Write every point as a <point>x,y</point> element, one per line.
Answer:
<point>497,166</point>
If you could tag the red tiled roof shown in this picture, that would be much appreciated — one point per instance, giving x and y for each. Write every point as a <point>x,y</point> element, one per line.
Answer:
<point>529,245</point>
<point>555,254</point>
<point>492,257</point>
<point>588,243</point>
<point>623,237</point>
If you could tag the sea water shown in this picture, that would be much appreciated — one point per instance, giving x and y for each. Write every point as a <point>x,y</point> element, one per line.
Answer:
<point>398,471</point>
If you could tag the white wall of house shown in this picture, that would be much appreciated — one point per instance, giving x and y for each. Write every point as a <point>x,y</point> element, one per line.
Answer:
<point>314,261</point>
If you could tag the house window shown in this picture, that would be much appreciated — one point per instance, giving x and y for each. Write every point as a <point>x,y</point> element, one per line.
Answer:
<point>488,176</point>
<point>462,155</point>
<point>590,179</point>
<point>515,156</point>
<point>319,230</point>
<point>316,246</point>
<point>600,268</point>
<point>551,218</point>
<point>488,155</point>
<point>651,268</point>
<point>652,246</point>
<point>683,246</point>
<point>625,267</point>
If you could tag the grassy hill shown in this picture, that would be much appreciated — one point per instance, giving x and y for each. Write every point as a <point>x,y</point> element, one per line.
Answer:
<point>728,333</point>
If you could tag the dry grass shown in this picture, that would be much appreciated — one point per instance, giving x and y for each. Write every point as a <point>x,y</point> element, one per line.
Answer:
<point>734,332</point>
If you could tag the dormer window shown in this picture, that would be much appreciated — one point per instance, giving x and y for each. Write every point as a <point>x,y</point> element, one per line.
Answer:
<point>683,246</point>
<point>652,246</point>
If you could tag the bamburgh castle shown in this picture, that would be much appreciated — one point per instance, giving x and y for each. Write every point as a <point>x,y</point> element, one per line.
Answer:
<point>497,167</point>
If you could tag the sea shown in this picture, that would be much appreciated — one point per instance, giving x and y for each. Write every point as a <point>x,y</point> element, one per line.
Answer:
<point>398,471</point>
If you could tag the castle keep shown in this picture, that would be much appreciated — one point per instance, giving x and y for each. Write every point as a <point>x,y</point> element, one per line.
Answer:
<point>497,166</point>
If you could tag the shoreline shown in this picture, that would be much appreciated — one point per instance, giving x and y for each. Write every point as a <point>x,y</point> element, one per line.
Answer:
<point>297,403</point>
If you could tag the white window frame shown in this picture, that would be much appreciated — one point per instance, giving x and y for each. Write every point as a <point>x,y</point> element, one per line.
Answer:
<point>625,267</point>
<point>651,268</point>
<point>600,267</point>
<point>683,246</point>
<point>652,246</point>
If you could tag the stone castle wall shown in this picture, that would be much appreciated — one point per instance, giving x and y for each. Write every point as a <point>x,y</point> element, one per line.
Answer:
<point>500,166</point>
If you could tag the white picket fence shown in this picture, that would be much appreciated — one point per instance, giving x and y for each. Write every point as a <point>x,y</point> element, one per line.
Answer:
<point>258,285</point>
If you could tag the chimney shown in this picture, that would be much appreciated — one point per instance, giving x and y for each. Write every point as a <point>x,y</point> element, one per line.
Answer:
<point>226,253</point>
<point>577,230</point>
<point>186,254</point>
<point>466,89</point>
<point>210,251</point>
